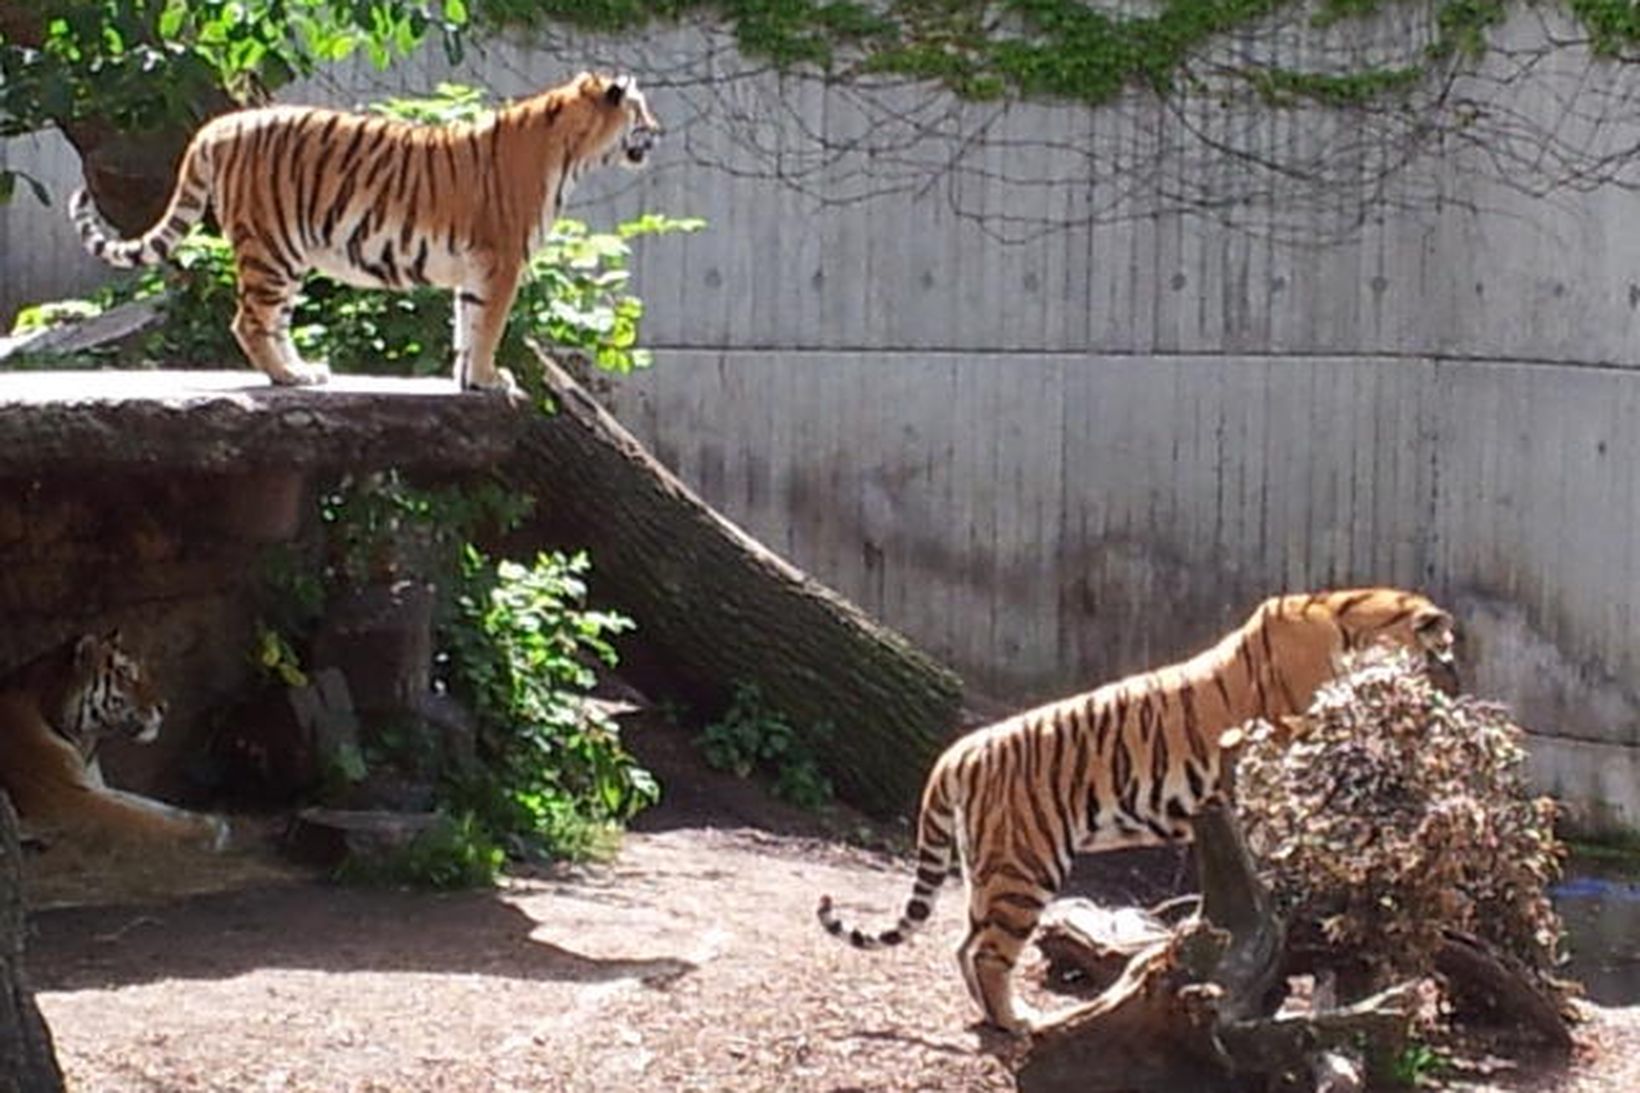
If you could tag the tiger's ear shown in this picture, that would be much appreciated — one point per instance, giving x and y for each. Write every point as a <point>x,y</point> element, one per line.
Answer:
<point>85,648</point>
<point>615,93</point>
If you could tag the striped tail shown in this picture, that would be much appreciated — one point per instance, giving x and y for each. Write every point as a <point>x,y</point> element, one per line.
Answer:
<point>188,204</point>
<point>934,846</point>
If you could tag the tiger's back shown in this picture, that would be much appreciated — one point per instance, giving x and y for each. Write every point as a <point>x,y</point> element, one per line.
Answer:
<point>383,203</point>
<point>1126,764</point>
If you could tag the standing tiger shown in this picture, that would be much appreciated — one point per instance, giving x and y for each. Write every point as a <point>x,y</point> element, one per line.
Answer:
<point>387,204</point>
<point>1125,765</point>
<point>55,711</point>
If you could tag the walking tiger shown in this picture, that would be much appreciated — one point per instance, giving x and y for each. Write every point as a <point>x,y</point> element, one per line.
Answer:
<point>1125,765</point>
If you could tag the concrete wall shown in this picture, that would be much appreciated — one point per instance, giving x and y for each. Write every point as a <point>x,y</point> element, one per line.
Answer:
<point>40,256</point>
<point>1057,461</point>
<point>1049,521</point>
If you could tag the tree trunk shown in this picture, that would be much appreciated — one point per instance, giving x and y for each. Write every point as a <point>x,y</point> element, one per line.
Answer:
<point>130,175</point>
<point>27,1063</point>
<point>715,608</point>
<point>1191,1012</point>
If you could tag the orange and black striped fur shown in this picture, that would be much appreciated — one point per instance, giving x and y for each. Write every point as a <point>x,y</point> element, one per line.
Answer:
<point>54,712</point>
<point>387,204</point>
<point>1125,765</point>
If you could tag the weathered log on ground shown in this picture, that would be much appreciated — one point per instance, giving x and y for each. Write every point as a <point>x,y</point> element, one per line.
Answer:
<point>1193,1013</point>
<point>1479,978</point>
<point>1089,944</point>
<point>1150,1030</point>
<point>27,1062</point>
<point>715,608</point>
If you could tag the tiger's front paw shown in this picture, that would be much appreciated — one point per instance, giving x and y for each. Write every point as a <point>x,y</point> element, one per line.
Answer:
<point>303,375</point>
<point>499,380</point>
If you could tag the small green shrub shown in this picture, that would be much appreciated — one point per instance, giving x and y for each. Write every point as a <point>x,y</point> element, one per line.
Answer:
<point>516,644</point>
<point>277,659</point>
<point>1417,1063</point>
<point>457,852</point>
<point>752,738</point>
<point>379,526</point>
<point>553,777</point>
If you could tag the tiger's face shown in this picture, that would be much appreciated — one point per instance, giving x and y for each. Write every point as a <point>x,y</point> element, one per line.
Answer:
<point>1406,619</point>
<point>637,128</point>
<point>113,696</point>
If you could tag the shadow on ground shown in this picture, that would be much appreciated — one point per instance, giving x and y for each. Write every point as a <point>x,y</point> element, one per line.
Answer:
<point>309,925</point>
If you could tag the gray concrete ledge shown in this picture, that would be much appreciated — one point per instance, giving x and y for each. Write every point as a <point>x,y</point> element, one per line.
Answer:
<point>232,421</point>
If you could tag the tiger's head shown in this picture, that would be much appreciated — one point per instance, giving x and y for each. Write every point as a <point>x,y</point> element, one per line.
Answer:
<point>1353,619</point>
<point>109,695</point>
<point>625,129</point>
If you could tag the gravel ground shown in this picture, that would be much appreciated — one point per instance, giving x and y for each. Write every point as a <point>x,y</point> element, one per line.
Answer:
<point>691,963</point>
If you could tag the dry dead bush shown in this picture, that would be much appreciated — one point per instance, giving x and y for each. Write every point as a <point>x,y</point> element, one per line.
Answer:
<point>1398,814</point>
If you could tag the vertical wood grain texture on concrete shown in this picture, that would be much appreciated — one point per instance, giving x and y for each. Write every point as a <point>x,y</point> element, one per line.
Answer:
<point>1049,521</point>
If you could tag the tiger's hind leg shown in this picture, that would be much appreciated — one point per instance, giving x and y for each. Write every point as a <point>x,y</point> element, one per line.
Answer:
<point>987,957</point>
<point>1007,893</point>
<point>262,323</point>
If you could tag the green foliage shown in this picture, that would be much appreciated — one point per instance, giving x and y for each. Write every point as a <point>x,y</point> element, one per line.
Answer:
<point>277,659</point>
<point>293,591</point>
<point>379,527</point>
<point>517,648</point>
<point>753,738</point>
<point>1464,26</point>
<point>1066,50</point>
<point>50,315</point>
<point>1415,1064</point>
<point>458,852</point>
<point>142,64</point>
<point>449,103</point>
<point>1282,87</point>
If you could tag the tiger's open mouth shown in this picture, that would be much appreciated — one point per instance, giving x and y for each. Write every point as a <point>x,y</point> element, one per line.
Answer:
<point>1443,671</point>
<point>638,143</point>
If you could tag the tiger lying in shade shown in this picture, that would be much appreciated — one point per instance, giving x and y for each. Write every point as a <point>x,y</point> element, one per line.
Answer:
<point>1125,765</point>
<point>54,712</point>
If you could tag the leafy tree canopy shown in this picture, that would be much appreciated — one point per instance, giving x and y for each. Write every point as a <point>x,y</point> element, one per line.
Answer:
<point>132,66</point>
<point>143,63</point>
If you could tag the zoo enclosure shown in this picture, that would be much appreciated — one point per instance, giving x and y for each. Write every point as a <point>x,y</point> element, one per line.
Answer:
<point>1058,461</point>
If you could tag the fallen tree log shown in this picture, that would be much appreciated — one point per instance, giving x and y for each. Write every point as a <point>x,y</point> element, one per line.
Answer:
<point>716,608</point>
<point>1195,1012</point>
<point>1085,943</point>
<point>1481,980</point>
<point>27,1062</point>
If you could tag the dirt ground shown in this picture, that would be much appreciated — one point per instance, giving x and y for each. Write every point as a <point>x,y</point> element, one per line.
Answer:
<point>690,963</point>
